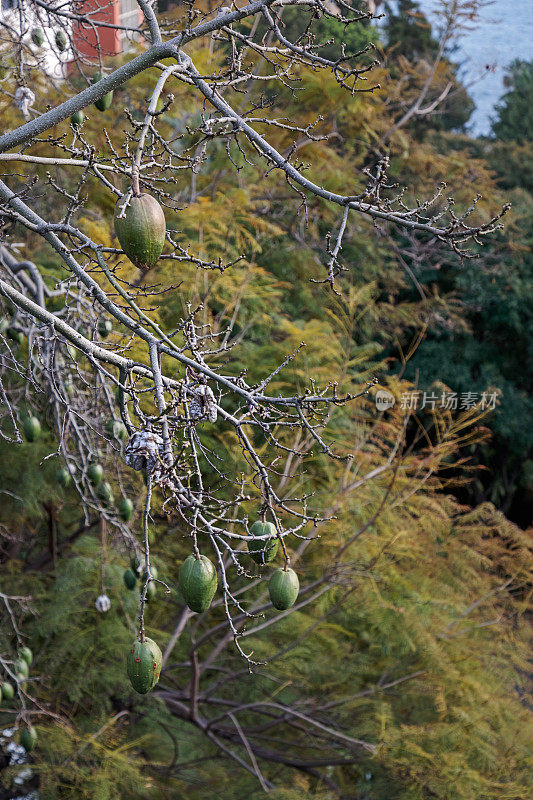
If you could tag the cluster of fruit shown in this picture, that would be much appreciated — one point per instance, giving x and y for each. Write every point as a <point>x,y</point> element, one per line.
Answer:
<point>95,472</point>
<point>198,577</point>
<point>21,669</point>
<point>283,586</point>
<point>60,38</point>
<point>102,104</point>
<point>197,583</point>
<point>137,572</point>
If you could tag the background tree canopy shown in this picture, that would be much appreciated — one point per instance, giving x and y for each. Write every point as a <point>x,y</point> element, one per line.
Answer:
<point>403,669</point>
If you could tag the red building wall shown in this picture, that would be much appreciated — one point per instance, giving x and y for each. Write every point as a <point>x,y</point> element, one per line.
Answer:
<point>88,38</point>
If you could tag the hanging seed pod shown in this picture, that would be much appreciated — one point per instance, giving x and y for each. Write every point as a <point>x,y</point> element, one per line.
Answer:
<point>77,119</point>
<point>61,40</point>
<point>8,692</point>
<point>103,603</point>
<point>63,477</point>
<point>263,550</point>
<point>144,665</point>
<point>141,229</point>
<point>31,428</point>
<point>210,405</point>
<point>283,588</point>
<point>196,409</point>
<point>95,473</point>
<point>28,738</point>
<point>198,582</point>
<point>125,509</point>
<point>103,103</point>
<point>37,37</point>
<point>21,667</point>
<point>105,493</point>
<point>130,579</point>
<point>151,591</point>
<point>145,451</point>
<point>27,655</point>
<point>116,428</point>
<point>202,403</point>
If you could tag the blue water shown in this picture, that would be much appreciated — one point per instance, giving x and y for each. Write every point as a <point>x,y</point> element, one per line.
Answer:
<point>504,32</point>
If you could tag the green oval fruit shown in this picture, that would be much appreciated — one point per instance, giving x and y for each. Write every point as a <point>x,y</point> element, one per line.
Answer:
<point>26,654</point>
<point>130,579</point>
<point>116,428</point>
<point>61,40</point>
<point>63,477</point>
<point>95,473</point>
<point>8,692</point>
<point>263,550</point>
<point>21,667</point>
<point>28,738</point>
<point>77,119</point>
<point>151,591</point>
<point>105,493</point>
<point>32,428</point>
<point>144,665</point>
<point>125,509</point>
<point>283,588</point>
<point>135,564</point>
<point>141,229</point>
<point>105,326</point>
<point>197,582</point>
<point>104,102</point>
<point>16,335</point>
<point>21,678</point>
<point>37,36</point>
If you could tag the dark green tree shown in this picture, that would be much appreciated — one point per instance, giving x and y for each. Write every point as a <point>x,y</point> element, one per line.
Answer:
<point>514,119</point>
